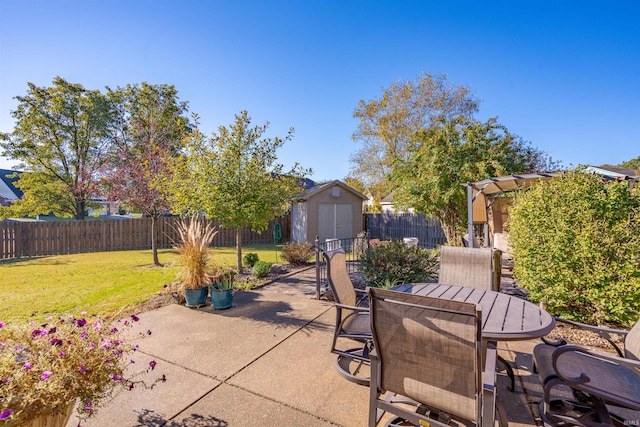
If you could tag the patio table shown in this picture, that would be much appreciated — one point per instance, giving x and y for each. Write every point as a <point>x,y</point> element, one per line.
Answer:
<point>504,317</point>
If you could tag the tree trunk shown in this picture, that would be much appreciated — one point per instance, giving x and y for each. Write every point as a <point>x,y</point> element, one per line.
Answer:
<point>154,240</point>
<point>239,248</point>
<point>451,232</point>
<point>80,209</point>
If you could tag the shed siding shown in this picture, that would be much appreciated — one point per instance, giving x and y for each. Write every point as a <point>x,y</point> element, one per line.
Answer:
<point>326,197</point>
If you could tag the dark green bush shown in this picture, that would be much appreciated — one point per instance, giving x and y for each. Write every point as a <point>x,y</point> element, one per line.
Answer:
<point>297,253</point>
<point>250,259</point>
<point>576,247</point>
<point>261,269</point>
<point>395,263</point>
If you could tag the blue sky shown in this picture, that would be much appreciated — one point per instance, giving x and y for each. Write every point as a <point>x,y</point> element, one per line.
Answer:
<point>564,75</point>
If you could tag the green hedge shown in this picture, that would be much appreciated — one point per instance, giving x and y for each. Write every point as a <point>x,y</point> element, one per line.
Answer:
<point>576,247</point>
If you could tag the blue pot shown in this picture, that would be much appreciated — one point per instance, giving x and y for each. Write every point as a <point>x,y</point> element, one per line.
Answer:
<point>195,297</point>
<point>221,299</point>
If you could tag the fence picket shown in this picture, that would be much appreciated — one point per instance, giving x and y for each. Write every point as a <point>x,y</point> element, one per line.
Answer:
<point>398,226</point>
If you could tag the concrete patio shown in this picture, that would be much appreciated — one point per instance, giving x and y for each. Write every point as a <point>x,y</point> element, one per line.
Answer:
<point>266,361</point>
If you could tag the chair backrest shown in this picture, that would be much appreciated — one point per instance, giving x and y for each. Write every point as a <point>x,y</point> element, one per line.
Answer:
<point>471,267</point>
<point>338,277</point>
<point>429,350</point>
<point>632,343</point>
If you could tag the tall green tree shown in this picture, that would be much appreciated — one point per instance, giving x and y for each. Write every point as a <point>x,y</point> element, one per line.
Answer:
<point>151,125</point>
<point>449,154</point>
<point>62,133</point>
<point>632,164</point>
<point>234,176</point>
<point>387,124</point>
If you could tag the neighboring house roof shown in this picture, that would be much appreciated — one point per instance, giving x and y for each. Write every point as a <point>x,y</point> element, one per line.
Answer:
<point>319,188</point>
<point>388,199</point>
<point>7,188</point>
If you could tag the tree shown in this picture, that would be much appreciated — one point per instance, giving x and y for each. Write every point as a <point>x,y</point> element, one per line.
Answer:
<point>61,134</point>
<point>234,176</point>
<point>150,132</point>
<point>632,164</point>
<point>575,243</point>
<point>387,124</point>
<point>452,153</point>
<point>41,196</point>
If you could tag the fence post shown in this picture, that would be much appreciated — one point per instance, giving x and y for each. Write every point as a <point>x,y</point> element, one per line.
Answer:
<point>317,246</point>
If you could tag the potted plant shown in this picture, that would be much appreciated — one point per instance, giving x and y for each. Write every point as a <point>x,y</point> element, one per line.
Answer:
<point>196,234</point>
<point>46,369</point>
<point>221,288</point>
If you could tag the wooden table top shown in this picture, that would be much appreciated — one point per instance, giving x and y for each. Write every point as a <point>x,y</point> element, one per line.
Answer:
<point>504,317</point>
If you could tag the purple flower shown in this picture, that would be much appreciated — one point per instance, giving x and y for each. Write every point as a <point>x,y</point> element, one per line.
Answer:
<point>27,366</point>
<point>82,369</point>
<point>148,331</point>
<point>1,324</point>
<point>116,378</point>
<point>56,341</point>
<point>91,344</point>
<point>164,378</point>
<point>81,322</point>
<point>132,361</point>
<point>114,330</point>
<point>53,330</point>
<point>131,385</point>
<point>38,333</point>
<point>83,335</point>
<point>62,353</point>
<point>134,318</point>
<point>5,415</point>
<point>45,375</point>
<point>1,344</point>
<point>153,364</point>
<point>6,380</point>
<point>97,325</point>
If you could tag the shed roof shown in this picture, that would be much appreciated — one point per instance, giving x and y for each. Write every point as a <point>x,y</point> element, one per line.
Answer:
<point>319,188</point>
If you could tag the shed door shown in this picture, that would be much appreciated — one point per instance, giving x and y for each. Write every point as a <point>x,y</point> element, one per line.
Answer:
<point>335,221</point>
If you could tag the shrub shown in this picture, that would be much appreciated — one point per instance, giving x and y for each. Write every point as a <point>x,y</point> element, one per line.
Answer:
<point>261,269</point>
<point>250,259</point>
<point>394,263</point>
<point>576,247</point>
<point>297,253</point>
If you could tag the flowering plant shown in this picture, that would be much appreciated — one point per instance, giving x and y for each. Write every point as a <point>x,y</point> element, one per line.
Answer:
<point>46,367</point>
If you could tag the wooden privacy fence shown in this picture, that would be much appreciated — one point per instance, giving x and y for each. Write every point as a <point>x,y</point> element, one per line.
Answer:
<point>398,226</point>
<point>28,239</point>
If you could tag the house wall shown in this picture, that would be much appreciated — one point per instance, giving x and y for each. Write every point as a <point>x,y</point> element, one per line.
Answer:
<point>326,197</point>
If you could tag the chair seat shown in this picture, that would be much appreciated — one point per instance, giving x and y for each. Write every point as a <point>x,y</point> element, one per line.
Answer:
<point>357,324</point>
<point>603,375</point>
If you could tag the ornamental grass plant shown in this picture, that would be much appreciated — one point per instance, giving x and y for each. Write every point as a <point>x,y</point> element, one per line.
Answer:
<point>196,235</point>
<point>46,367</point>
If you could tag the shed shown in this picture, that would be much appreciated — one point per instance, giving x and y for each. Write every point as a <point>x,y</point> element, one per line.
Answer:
<point>330,211</point>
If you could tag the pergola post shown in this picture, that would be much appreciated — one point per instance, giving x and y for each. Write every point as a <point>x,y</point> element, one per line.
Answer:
<point>470,213</point>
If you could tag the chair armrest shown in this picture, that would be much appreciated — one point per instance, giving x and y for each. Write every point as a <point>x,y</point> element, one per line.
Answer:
<point>605,333</point>
<point>584,378</point>
<point>352,308</point>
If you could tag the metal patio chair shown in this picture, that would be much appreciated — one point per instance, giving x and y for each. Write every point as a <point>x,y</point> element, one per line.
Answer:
<point>429,351</point>
<point>352,320</point>
<point>599,382</point>
<point>476,268</point>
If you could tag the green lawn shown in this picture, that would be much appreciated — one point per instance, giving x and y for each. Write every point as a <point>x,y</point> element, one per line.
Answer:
<point>101,283</point>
